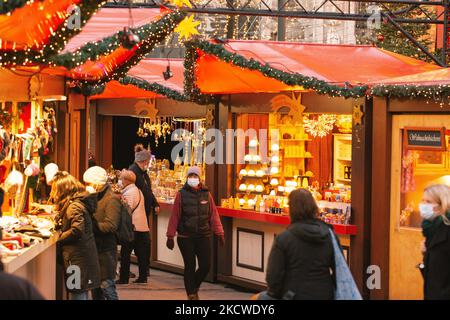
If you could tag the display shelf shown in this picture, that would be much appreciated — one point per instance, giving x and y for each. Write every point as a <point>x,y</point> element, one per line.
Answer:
<point>305,140</point>
<point>291,157</point>
<point>344,180</point>
<point>344,159</point>
<point>280,219</point>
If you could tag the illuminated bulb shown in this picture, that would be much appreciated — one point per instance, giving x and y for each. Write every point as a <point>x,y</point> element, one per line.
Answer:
<point>243,172</point>
<point>275,159</point>
<point>275,147</point>
<point>274,170</point>
<point>274,182</point>
<point>251,187</point>
<point>251,173</point>
<point>243,187</point>
<point>253,143</point>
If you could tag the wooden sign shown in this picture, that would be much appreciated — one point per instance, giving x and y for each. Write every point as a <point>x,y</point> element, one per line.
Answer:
<point>427,139</point>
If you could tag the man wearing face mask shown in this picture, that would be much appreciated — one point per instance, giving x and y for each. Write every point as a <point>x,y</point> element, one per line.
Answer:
<point>435,211</point>
<point>194,219</point>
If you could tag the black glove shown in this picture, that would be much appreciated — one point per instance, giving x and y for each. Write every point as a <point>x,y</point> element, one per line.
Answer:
<point>170,243</point>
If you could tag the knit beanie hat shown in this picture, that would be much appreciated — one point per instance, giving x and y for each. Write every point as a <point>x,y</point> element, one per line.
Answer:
<point>96,176</point>
<point>141,154</point>
<point>194,170</point>
<point>50,171</point>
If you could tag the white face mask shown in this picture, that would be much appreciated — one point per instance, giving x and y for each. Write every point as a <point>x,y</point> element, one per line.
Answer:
<point>90,189</point>
<point>120,184</point>
<point>193,182</point>
<point>427,210</point>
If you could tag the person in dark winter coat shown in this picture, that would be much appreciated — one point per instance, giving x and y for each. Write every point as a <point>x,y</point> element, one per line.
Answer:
<point>76,242</point>
<point>301,262</point>
<point>139,168</point>
<point>15,288</point>
<point>195,219</point>
<point>435,211</point>
<point>106,223</point>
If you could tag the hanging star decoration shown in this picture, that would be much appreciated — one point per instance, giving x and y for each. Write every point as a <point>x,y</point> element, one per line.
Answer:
<point>187,27</point>
<point>358,114</point>
<point>180,3</point>
<point>294,104</point>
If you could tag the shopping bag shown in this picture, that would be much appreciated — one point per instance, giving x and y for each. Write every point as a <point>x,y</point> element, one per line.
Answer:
<point>346,288</point>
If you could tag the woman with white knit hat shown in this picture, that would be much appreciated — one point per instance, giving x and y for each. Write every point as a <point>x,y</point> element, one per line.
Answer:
<point>106,222</point>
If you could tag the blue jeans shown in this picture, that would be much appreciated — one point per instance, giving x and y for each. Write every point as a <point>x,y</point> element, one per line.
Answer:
<point>78,295</point>
<point>107,291</point>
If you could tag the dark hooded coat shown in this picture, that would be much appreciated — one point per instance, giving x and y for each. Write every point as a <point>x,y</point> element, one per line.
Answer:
<point>302,261</point>
<point>77,243</point>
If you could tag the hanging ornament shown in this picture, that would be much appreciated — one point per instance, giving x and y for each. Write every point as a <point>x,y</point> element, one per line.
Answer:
<point>320,127</point>
<point>380,38</point>
<point>129,39</point>
<point>181,3</point>
<point>187,28</point>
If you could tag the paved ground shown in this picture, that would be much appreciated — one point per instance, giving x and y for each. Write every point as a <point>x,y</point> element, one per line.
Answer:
<point>168,286</point>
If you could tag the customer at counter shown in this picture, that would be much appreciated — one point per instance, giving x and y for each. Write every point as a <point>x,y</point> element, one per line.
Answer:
<point>106,222</point>
<point>15,288</point>
<point>435,211</point>
<point>76,241</point>
<point>302,256</point>
<point>194,218</point>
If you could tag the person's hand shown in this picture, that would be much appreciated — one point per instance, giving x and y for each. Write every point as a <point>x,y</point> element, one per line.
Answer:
<point>423,248</point>
<point>157,210</point>
<point>222,240</point>
<point>170,244</point>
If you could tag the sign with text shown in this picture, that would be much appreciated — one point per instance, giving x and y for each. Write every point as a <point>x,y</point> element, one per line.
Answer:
<point>429,139</point>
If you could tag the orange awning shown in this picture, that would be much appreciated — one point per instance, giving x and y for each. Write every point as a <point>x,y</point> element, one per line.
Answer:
<point>106,22</point>
<point>150,70</point>
<point>334,64</point>
<point>429,78</point>
<point>31,26</point>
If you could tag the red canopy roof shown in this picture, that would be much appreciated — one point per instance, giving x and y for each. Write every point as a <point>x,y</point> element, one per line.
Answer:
<point>106,22</point>
<point>32,26</point>
<point>150,70</point>
<point>334,64</point>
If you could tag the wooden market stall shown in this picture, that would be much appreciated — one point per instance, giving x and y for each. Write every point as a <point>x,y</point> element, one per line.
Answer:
<point>407,110</point>
<point>261,82</point>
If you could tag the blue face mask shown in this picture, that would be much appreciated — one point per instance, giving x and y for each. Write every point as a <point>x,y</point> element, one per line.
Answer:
<point>427,210</point>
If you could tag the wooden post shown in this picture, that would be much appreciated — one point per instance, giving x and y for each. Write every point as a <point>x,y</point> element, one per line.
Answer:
<point>361,192</point>
<point>381,183</point>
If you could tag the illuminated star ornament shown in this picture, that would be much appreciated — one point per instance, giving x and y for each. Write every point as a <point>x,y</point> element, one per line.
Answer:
<point>180,3</point>
<point>187,27</point>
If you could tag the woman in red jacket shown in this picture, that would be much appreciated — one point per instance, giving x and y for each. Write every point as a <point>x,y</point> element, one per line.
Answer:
<point>194,218</point>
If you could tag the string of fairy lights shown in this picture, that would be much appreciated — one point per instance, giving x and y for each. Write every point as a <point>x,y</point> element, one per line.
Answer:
<point>56,43</point>
<point>186,26</point>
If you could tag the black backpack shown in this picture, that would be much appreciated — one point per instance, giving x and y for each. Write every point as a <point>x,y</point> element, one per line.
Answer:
<point>125,231</point>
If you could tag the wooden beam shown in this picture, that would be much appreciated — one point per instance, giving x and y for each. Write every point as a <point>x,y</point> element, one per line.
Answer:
<point>381,182</point>
<point>361,195</point>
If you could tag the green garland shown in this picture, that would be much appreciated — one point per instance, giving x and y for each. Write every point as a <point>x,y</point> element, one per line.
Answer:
<point>56,42</point>
<point>156,31</point>
<point>291,79</point>
<point>8,6</point>
<point>154,87</point>
<point>436,93</point>
<point>93,50</point>
<point>190,87</point>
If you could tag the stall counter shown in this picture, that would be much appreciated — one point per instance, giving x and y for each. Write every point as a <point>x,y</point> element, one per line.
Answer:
<point>250,236</point>
<point>37,264</point>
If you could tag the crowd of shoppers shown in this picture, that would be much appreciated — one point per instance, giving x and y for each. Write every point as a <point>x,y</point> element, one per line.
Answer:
<point>305,261</point>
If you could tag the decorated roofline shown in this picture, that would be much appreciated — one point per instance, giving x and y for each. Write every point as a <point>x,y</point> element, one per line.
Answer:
<point>8,6</point>
<point>56,42</point>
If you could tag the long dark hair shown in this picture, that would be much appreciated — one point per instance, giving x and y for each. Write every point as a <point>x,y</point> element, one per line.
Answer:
<point>302,206</point>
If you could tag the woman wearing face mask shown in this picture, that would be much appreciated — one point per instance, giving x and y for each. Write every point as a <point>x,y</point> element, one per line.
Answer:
<point>194,218</point>
<point>435,211</point>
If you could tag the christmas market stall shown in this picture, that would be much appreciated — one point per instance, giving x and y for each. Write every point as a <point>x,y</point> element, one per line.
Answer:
<point>303,122</point>
<point>33,131</point>
<point>148,107</point>
<point>410,150</point>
